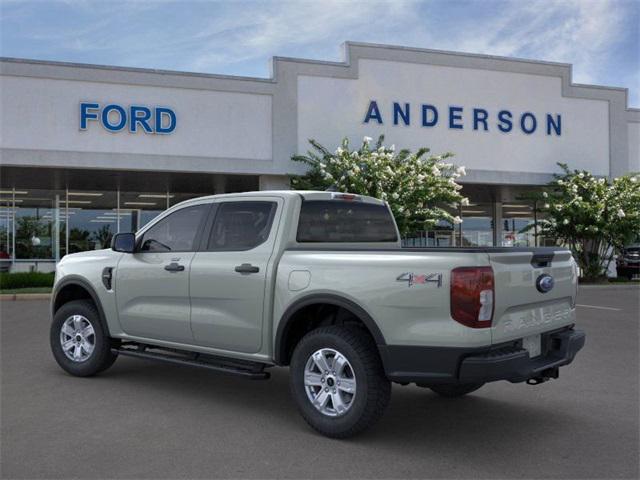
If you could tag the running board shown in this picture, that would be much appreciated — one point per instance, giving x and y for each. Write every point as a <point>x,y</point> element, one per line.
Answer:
<point>251,370</point>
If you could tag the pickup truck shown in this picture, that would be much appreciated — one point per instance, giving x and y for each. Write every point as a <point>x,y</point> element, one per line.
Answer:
<point>319,282</point>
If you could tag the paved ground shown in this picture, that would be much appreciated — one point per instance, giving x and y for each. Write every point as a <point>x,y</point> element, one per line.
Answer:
<point>143,419</point>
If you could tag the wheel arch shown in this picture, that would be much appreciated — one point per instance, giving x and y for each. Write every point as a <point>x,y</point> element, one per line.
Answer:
<point>74,287</point>
<point>292,317</point>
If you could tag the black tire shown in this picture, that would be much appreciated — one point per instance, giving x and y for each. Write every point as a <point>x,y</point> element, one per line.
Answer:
<point>100,358</point>
<point>373,388</point>
<point>455,390</point>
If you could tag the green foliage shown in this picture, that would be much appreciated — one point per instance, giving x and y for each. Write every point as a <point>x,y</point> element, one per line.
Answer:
<point>593,216</point>
<point>415,185</point>
<point>25,280</point>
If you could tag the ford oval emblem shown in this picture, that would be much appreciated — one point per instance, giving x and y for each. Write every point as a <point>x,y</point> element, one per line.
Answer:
<point>545,283</point>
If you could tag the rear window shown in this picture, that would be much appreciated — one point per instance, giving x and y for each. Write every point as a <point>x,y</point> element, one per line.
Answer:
<point>345,221</point>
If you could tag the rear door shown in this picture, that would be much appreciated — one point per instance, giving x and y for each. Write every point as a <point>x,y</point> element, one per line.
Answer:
<point>534,292</point>
<point>228,278</point>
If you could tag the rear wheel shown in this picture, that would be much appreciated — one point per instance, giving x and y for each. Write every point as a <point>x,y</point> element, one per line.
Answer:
<point>455,390</point>
<point>338,382</point>
<point>79,341</point>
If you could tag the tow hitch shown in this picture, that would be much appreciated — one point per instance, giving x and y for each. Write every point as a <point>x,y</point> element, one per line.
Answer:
<point>544,376</point>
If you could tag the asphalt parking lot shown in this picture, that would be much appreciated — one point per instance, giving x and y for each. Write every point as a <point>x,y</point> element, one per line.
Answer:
<point>151,420</point>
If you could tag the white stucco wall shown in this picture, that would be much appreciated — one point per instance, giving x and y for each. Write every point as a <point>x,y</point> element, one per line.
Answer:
<point>43,114</point>
<point>330,108</point>
<point>633,129</point>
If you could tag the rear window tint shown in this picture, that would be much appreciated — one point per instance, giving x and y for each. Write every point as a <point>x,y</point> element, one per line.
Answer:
<point>344,221</point>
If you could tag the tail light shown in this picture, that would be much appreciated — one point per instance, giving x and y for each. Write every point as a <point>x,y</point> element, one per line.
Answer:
<point>472,292</point>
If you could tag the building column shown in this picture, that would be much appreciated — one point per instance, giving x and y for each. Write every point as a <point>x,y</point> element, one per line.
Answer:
<point>497,224</point>
<point>219,184</point>
<point>274,182</point>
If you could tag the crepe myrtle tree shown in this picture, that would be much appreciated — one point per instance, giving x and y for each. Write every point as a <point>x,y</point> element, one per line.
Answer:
<point>593,216</point>
<point>415,185</point>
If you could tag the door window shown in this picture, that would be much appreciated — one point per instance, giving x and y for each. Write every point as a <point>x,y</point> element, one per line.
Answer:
<point>176,232</point>
<point>241,225</point>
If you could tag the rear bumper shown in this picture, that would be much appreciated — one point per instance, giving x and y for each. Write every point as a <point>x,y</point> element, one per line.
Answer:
<point>433,365</point>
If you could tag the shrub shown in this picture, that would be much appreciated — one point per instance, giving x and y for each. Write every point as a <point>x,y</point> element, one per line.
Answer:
<point>25,280</point>
<point>593,216</point>
<point>415,185</point>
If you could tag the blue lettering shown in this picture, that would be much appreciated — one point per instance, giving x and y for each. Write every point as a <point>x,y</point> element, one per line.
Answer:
<point>504,117</point>
<point>139,115</point>
<point>455,113</point>
<point>162,112</point>
<point>399,112</point>
<point>480,115</point>
<point>85,114</point>
<point>373,112</point>
<point>425,116</point>
<point>523,123</point>
<point>557,125</point>
<point>105,118</point>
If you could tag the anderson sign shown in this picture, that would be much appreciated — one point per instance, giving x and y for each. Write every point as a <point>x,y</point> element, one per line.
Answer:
<point>460,118</point>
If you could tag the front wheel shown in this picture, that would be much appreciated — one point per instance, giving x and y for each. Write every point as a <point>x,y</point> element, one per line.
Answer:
<point>79,341</point>
<point>338,382</point>
<point>455,390</point>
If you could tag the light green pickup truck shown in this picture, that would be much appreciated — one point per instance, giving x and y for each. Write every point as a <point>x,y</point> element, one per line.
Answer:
<point>317,281</point>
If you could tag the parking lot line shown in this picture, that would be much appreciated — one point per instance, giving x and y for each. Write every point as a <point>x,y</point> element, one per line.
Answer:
<point>598,307</point>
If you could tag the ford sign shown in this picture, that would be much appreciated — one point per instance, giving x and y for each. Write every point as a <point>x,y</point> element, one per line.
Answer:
<point>544,283</point>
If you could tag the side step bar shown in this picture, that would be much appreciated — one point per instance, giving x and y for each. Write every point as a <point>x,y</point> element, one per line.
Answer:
<point>250,370</point>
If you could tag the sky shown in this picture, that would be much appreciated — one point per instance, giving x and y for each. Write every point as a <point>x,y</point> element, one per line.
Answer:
<point>601,38</point>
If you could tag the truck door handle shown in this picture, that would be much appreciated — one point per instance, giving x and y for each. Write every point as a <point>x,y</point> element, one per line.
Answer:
<point>174,267</point>
<point>247,268</point>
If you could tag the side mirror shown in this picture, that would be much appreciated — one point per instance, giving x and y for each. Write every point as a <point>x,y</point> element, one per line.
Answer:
<point>124,242</point>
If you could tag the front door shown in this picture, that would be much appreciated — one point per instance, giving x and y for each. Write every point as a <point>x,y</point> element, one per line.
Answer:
<point>152,285</point>
<point>228,278</point>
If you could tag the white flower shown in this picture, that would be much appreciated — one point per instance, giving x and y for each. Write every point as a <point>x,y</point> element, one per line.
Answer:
<point>400,209</point>
<point>395,196</point>
<point>581,175</point>
<point>546,205</point>
<point>435,170</point>
<point>461,171</point>
<point>392,148</point>
<point>621,213</point>
<point>565,221</point>
<point>339,151</point>
<point>367,139</point>
<point>545,194</point>
<point>633,179</point>
<point>464,202</point>
<point>457,220</point>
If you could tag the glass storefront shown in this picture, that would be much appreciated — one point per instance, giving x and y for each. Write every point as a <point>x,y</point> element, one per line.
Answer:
<point>518,228</point>
<point>512,223</point>
<point>39,227</point>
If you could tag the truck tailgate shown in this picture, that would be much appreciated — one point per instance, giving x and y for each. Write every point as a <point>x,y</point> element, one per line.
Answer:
<point>522,307</point>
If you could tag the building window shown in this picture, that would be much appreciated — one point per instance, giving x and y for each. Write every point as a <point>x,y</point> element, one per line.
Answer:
<point>518,225</point>
<point>477,225</point>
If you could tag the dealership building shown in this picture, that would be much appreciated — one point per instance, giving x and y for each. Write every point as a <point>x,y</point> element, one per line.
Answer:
<point>88,150</point>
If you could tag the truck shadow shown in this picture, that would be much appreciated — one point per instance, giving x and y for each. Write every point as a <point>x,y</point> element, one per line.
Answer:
<point>416,417</point>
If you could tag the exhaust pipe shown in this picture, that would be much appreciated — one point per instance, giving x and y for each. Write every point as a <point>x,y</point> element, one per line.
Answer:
<point>544,376</point>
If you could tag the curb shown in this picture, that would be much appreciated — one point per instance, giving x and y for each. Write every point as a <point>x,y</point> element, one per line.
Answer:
<point>24,296</point>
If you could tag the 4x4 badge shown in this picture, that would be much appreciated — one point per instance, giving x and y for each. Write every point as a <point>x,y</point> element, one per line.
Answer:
<point>420,278</point>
